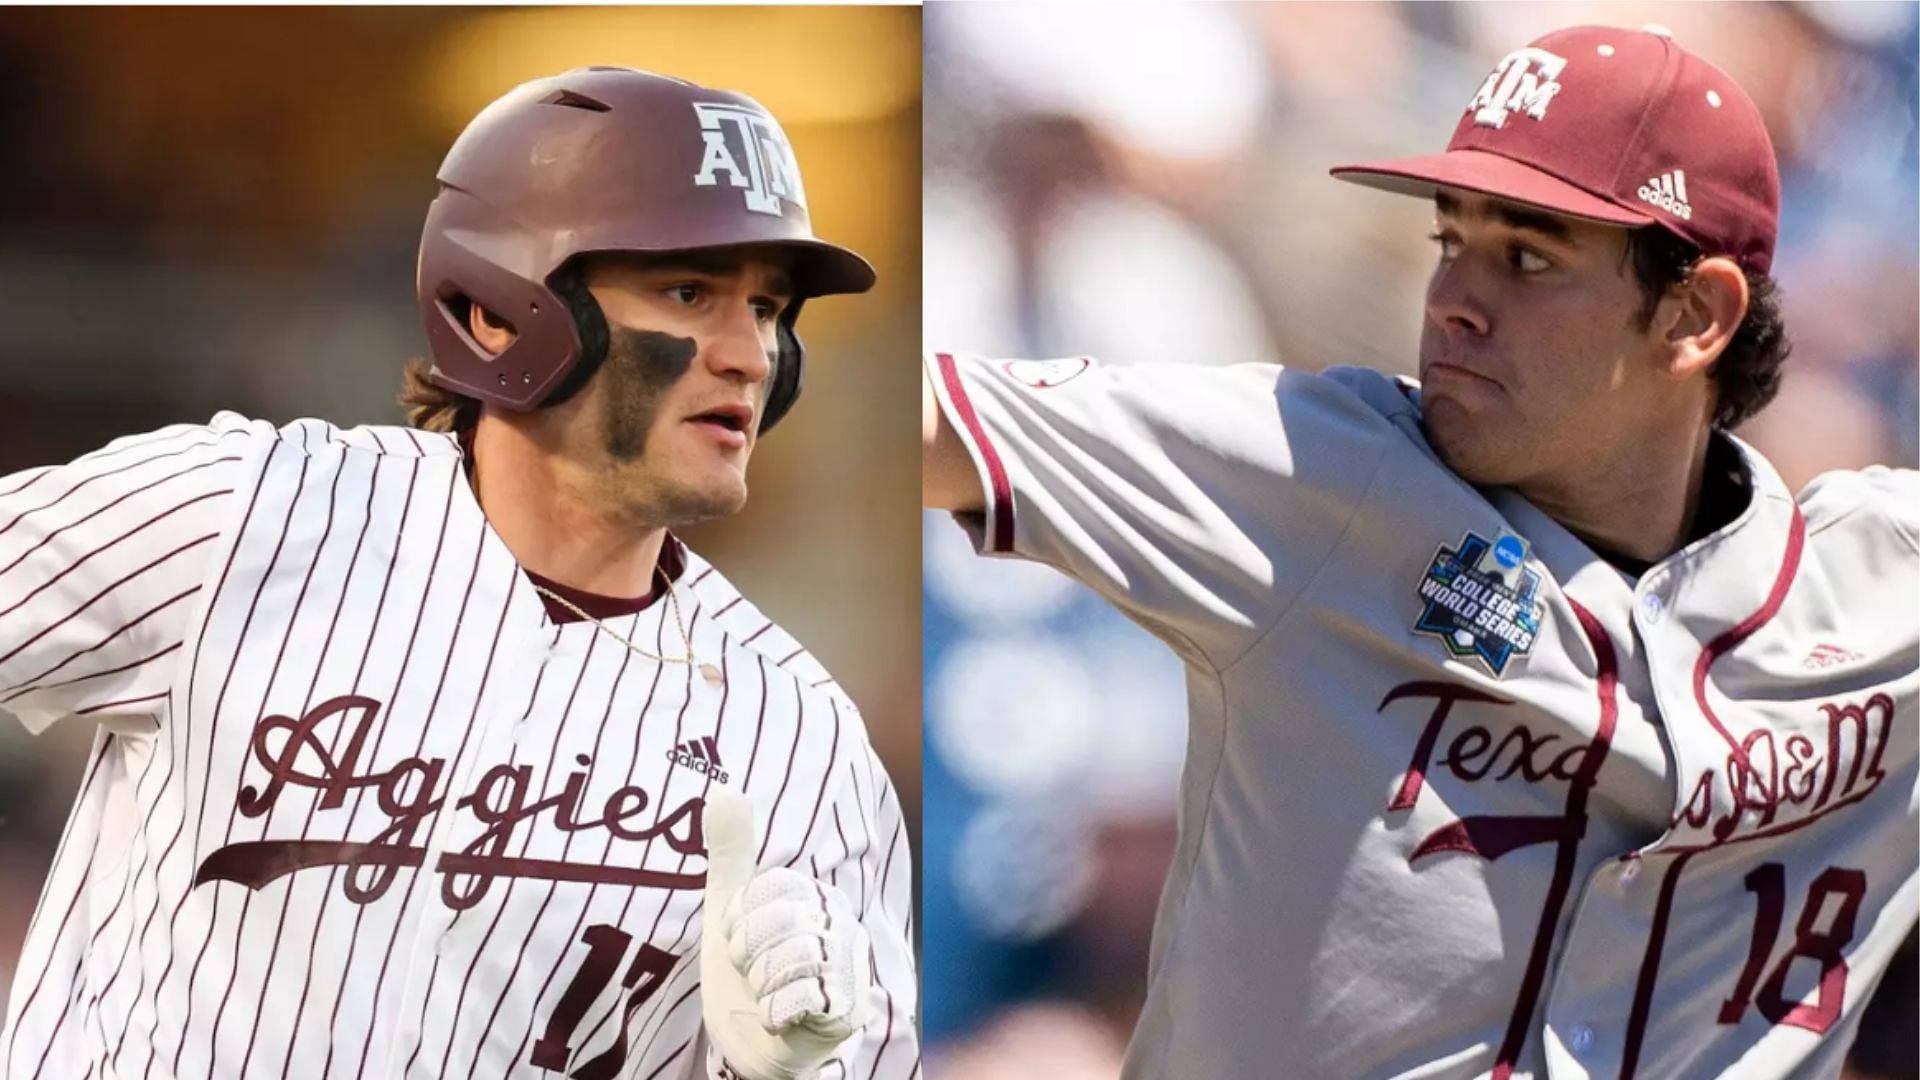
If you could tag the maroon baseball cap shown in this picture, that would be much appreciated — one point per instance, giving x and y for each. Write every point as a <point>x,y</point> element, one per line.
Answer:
<point>1617,126</point>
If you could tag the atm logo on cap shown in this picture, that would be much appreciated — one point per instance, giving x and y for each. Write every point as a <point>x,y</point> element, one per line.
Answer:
<point>748,147</point>
<point>1522,82</point>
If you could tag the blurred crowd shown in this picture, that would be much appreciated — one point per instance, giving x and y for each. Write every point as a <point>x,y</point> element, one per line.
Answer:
<point>1149,183</point>
<point>218,208</point>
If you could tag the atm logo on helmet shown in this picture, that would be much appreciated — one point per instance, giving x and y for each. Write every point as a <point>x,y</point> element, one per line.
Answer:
<point>748,146</point>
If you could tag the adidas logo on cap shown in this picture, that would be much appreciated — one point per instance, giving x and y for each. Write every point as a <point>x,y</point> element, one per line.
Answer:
<point>1668,191</point>
<point>702,755</point>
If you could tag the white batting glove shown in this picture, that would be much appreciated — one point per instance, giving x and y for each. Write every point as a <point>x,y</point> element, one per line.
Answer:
<point>784,961</point>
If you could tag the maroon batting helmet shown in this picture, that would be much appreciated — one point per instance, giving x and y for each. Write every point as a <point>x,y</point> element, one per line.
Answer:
<point>604,159</point>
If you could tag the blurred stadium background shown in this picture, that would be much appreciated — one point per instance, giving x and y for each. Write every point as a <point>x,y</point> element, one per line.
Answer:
<point>205,209</point>
<point>1148,183</point>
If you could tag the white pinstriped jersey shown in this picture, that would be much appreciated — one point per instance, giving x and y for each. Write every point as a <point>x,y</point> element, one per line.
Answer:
<point>1460,798</point>
<point>358,808</point>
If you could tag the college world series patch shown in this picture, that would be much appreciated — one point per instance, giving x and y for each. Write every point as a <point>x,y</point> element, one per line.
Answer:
<point>1481,600</point>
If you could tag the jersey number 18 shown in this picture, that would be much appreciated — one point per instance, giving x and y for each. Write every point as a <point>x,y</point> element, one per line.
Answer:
<point>1768,883</point>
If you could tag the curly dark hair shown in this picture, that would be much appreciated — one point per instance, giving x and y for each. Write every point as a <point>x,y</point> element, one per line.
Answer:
<point>1747,374</point>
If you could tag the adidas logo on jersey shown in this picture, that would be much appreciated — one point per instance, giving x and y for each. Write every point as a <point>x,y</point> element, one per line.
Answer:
<point>1668,191</point>
<point>1826,656</point>
<point>702,755</point>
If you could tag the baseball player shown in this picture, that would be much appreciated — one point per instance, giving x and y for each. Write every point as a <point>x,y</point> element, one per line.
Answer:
<point>433,752</point>
<point>1535,727</point>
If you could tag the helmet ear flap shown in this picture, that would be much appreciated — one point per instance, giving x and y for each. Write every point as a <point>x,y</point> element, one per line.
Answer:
<point>783,389</point>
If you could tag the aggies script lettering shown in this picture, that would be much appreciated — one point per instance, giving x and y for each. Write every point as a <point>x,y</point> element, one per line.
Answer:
<point>406,794</point>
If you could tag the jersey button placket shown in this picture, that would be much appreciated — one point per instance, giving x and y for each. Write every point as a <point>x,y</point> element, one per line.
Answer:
<point>433,935</point>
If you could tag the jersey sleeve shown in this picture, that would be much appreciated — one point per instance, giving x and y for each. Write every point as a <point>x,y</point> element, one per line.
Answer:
<point>1198,500</point>
<point>100,561</point>
<point>1892,495</point>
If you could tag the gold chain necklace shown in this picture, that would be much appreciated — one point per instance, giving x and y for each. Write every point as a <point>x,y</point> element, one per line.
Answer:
<point>707,671</point>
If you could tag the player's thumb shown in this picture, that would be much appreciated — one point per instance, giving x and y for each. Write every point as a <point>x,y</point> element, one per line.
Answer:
<point>727,822</point>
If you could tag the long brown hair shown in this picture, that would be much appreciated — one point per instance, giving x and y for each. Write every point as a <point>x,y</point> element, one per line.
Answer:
<point>434,408</point>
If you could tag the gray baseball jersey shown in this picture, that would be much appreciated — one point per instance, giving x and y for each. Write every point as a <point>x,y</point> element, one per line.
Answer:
<point>1460,798</point>
<point>358,807</point>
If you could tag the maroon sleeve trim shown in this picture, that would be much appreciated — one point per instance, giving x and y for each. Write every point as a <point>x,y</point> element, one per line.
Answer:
<point>1000,495</point>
